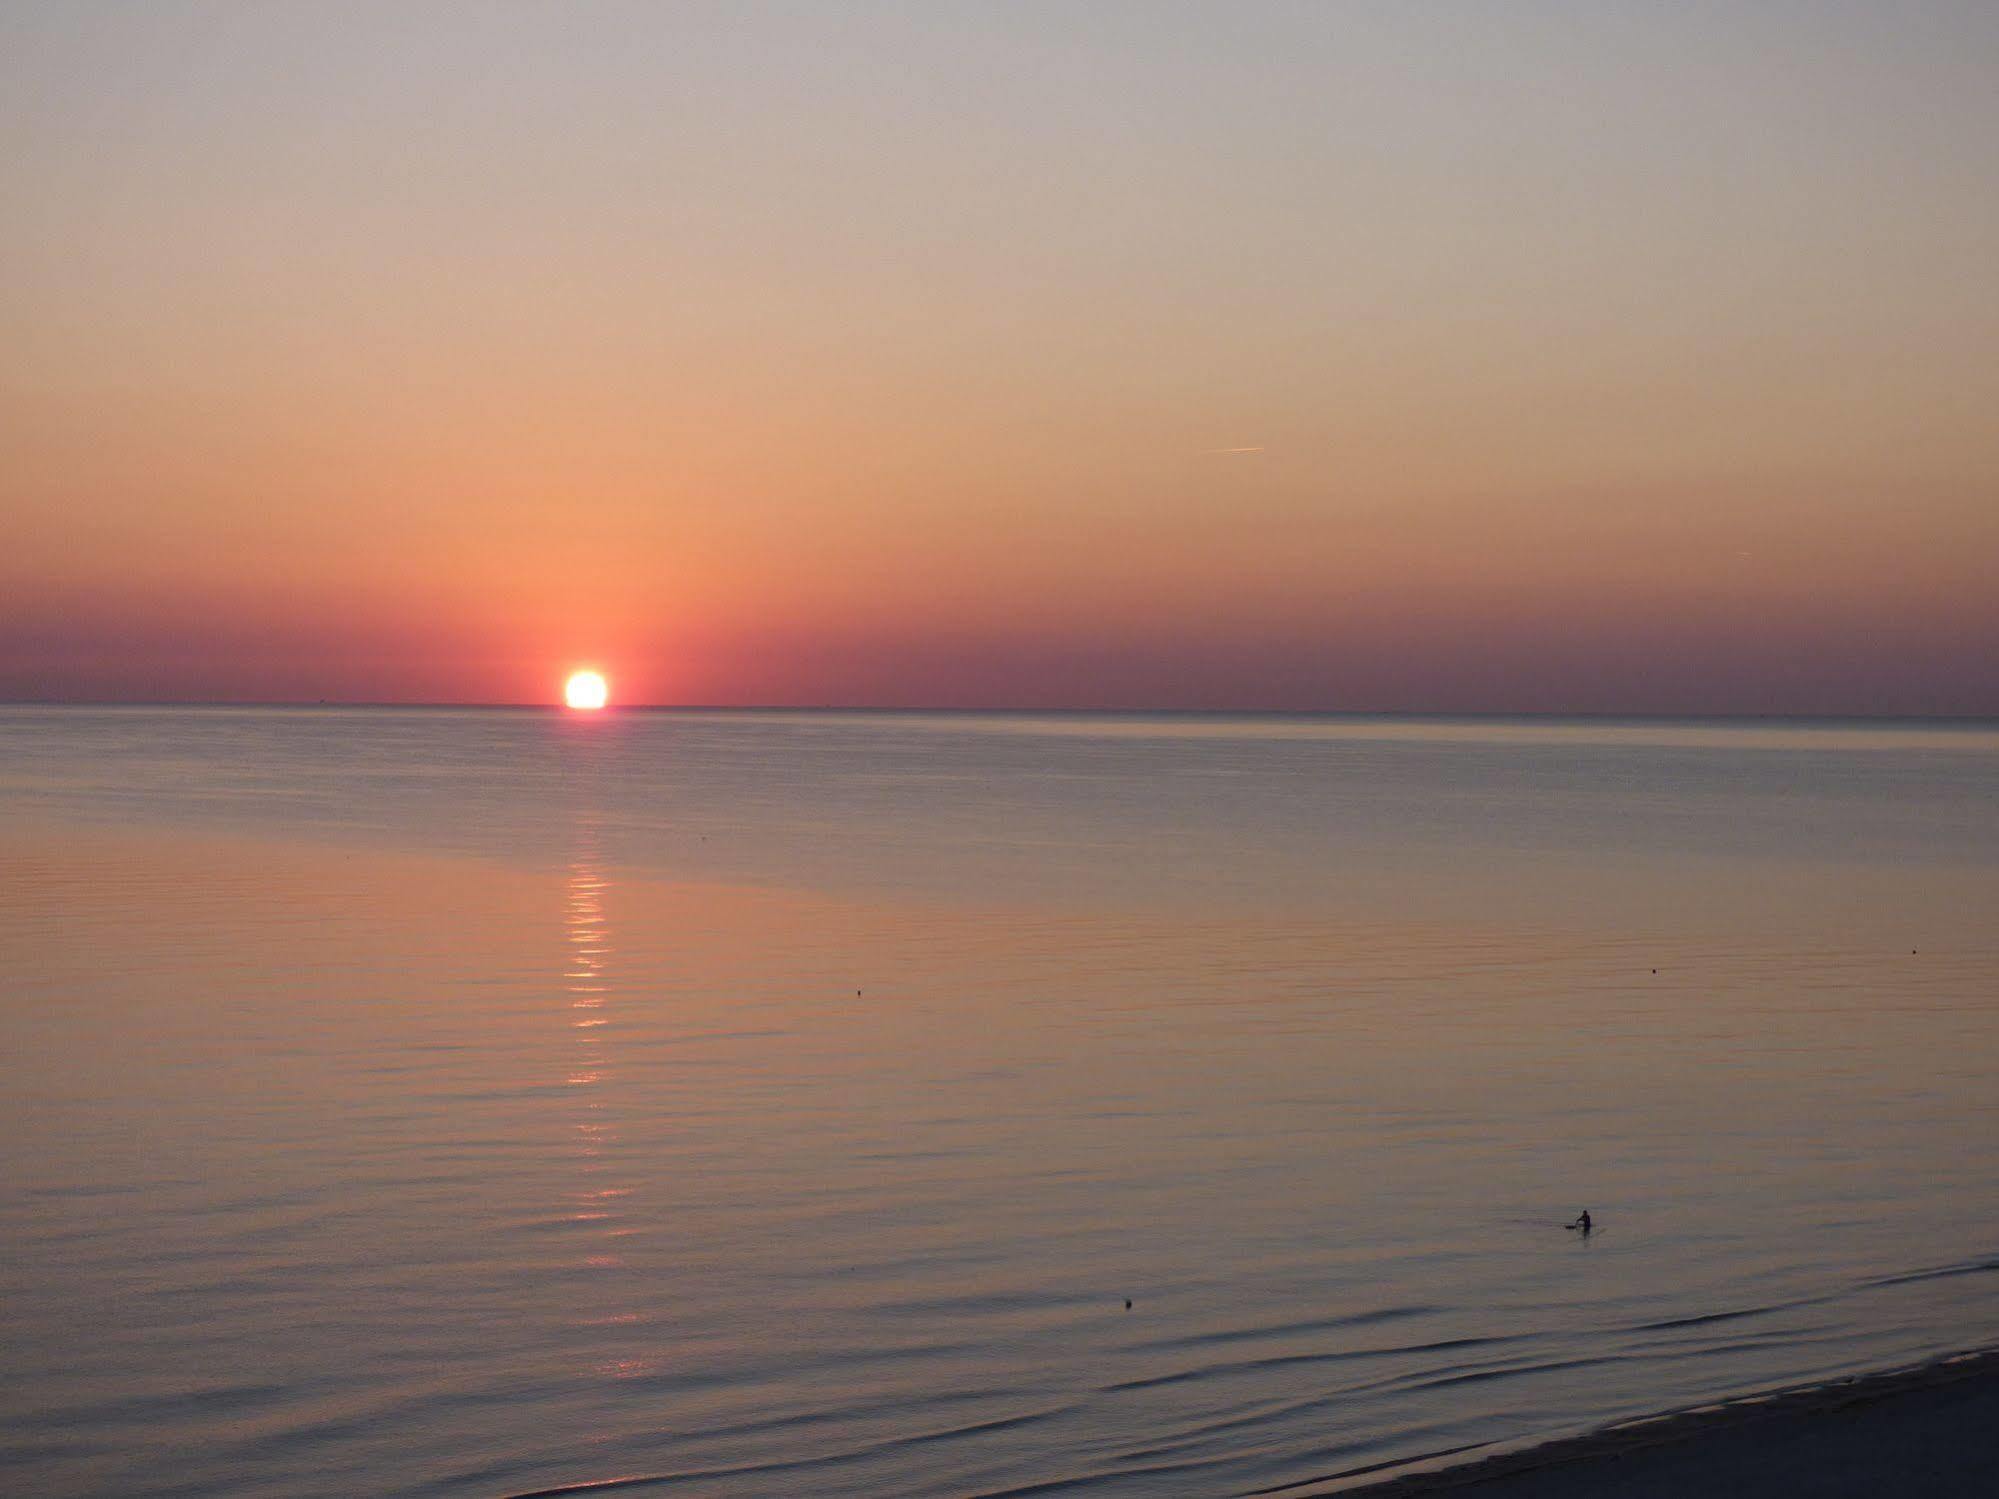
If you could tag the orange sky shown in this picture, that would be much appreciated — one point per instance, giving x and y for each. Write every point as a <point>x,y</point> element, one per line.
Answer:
<point>1613,358</point>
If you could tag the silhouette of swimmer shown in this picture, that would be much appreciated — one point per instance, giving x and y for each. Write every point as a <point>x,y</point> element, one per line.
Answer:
<point>1582,1223</point>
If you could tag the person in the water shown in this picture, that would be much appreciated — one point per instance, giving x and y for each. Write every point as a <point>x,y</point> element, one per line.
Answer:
<point>1582,1223</point>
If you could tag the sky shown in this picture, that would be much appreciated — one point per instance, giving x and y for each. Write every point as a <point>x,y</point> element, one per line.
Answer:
<point>1534,357</point>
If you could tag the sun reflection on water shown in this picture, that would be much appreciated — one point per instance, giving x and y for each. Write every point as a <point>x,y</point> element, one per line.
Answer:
<point>587,987</point>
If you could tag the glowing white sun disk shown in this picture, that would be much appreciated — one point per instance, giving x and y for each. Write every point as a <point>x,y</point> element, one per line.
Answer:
<point>586,689</point>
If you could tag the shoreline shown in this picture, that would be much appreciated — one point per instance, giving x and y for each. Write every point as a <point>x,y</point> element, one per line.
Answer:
<point>1930,1428</point>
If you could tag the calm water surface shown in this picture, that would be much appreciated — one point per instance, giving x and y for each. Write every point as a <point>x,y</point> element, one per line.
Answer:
<point>476,1103</point>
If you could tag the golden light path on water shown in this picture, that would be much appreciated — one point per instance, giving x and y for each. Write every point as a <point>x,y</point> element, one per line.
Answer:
<point>593,1202</point>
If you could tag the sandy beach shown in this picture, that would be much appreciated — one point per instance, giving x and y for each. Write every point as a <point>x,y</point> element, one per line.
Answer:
<point>1930,1430</point>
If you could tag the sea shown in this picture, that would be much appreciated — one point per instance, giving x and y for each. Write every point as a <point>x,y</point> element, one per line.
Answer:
<point>498,1102</point>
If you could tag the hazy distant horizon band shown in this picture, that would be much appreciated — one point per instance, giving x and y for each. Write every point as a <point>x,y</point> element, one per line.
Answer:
<point>1551,716</point>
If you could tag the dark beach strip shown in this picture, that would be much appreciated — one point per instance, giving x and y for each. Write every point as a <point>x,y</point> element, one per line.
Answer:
<point>1929,1429</point>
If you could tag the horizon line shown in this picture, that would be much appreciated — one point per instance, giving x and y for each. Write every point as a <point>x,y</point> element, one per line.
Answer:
<point>995,711</point>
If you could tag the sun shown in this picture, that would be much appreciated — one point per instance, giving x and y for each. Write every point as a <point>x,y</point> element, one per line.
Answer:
<point>586,690</point>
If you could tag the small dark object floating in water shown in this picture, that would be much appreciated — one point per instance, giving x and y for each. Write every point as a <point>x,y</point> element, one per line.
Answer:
<point>1127,1303</point>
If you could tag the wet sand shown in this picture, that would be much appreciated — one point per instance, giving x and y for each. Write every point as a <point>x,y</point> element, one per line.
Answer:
<point>1931,1430</point>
